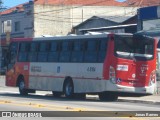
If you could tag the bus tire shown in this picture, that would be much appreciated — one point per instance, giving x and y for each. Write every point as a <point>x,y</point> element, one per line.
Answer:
<point>22,89</point>
<point>107,96</point>
<point>68,88</point>
<point>56,94</point>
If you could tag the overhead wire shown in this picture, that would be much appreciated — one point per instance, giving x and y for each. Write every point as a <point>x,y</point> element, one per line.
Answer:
<point>70,8</point>
<point>61,10</point>
<point>78,6</point>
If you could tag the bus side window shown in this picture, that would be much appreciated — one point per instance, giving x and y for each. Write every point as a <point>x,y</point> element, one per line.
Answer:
<point>33,51</point>
<point>13,53</point>
<point>91,51</point>
<point>65,52</point>
<point>53,52</point>
<point>23,52</point>
<point>102,50</point>
<point>44,46</point>
<point>77,53</point>
<point>42,54</point>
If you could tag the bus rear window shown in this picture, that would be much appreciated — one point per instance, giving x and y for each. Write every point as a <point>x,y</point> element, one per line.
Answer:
<point>131,47</point>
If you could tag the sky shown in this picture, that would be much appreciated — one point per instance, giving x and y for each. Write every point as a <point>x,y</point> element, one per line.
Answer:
<point>121,0</point>
<point>12,3</point>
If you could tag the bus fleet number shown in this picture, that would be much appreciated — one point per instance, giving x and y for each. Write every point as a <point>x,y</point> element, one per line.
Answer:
<point>91,69</point>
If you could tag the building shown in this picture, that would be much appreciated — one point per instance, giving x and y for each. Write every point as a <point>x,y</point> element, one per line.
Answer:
<point>143,3</point>
<point>107,24</point>
<point>57,17</point>
<point>18,21</point>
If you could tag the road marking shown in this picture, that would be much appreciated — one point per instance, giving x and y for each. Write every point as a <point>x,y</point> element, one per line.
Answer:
<point>94,112</point>
<point>64,108</point>
<point>45,106</point>
<point>41,94</point>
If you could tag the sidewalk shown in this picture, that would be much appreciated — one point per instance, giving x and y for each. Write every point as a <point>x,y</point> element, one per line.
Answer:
<point>152,99</point>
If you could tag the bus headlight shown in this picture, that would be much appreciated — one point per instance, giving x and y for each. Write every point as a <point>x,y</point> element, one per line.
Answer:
<point>112,75</point>
<point>152,78</point>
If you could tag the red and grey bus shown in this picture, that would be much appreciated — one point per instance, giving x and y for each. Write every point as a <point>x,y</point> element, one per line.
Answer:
<point>108,64</point>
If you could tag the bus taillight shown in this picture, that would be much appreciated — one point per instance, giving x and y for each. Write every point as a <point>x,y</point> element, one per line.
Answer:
<point>152,78</point>
<point>112,74</point>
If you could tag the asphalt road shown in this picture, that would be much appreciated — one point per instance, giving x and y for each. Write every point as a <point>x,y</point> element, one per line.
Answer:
<point>62,107</point>
<point>44,104</point>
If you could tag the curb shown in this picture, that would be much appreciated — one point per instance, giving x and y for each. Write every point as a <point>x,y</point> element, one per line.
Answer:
<point>153,102</point>
<point>139,101</point>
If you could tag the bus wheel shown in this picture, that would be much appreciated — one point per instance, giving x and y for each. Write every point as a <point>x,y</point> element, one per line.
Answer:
<point>56,94</point>
<point>68,88</point>
<point>22,89</point>
<point>107,96</point>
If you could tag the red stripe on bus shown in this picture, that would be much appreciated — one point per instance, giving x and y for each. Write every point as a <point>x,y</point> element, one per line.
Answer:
<point>64,77</point>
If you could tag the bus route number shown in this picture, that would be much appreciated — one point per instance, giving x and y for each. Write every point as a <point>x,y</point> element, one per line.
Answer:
<point>91,69</point>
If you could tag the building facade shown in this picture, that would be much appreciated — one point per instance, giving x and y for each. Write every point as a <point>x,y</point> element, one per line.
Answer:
<point>107,24</point>
<point>57,17</point>
<point>41,17</point>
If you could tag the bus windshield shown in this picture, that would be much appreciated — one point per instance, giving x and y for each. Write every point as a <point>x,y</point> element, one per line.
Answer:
<point>139,47</point>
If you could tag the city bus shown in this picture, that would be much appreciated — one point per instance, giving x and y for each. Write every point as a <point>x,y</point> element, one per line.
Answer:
<point>108,64</point>
<point>149,24</point>
<point>156,34</point>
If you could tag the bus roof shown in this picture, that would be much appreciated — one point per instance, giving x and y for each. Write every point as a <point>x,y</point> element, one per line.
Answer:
<point>69,37</point>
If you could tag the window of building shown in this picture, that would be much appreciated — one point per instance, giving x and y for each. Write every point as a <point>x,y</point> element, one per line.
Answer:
<point>17,26</point>
<point>2,27</point>
<point>8,23</point>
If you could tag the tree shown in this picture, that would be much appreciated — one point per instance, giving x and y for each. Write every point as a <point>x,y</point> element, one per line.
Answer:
<point>2,8</point>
